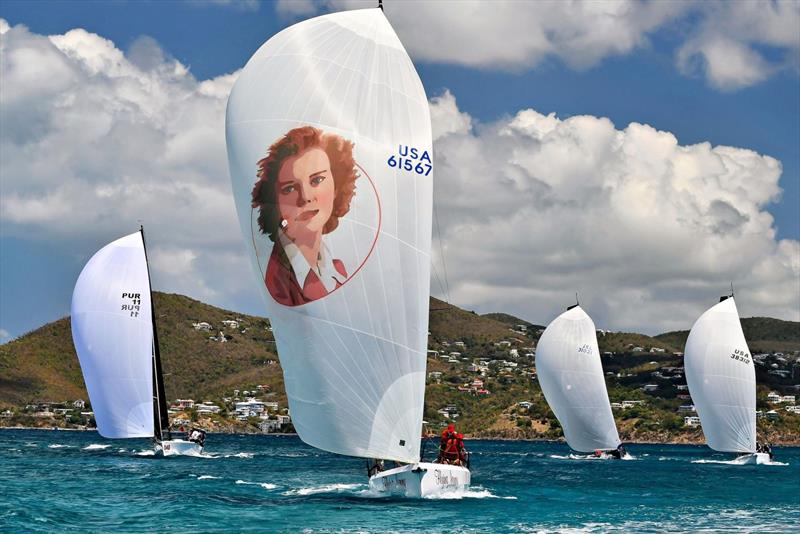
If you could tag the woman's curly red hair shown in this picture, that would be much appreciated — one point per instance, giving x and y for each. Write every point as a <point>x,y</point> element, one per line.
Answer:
<point>343,168</point>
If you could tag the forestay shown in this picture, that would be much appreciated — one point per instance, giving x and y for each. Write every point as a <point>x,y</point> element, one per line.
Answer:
<point>571,375</point>
<point>113,336</point>
<point>336,100</point>
<point>722,379</point>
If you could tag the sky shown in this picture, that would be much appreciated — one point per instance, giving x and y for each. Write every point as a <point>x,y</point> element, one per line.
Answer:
<point>643,154</point>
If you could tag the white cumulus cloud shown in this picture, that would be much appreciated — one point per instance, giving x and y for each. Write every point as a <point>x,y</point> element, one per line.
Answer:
<point>534,208</point>
<point>94,141</point>
<point>721,40</point>
<point>728,44</point>
<point>296,8</point>
<point>520,35</point>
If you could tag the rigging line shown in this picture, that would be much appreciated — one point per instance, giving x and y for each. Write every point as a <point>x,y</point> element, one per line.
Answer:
<point>436,276</point>
<point>441,253</point>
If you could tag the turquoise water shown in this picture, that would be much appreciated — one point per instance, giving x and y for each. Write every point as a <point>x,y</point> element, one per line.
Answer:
<point>77,481</point>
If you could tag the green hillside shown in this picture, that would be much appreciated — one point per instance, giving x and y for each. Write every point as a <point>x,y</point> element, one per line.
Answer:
<point>511,320</point>
<point>42,365</point>
<point>481,372</point>
<point>763,334</point>
<point>453,323</point>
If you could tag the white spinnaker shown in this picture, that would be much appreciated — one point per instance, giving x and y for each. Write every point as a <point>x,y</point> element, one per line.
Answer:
<point>722,379</point>
<point>115,342</point>
<point>353,361</point>
<point>571,375</point>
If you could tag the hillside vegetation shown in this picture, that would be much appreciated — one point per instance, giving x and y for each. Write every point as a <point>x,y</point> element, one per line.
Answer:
<point>481,372</point>
<point>43,365</point>
<point>763,334</point>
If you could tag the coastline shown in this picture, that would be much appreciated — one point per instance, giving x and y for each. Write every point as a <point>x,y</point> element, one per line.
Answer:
<point>779,443</point>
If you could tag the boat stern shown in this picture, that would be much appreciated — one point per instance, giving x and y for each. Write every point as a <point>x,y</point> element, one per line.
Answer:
<point>180,447</point>
<point>421,480</point>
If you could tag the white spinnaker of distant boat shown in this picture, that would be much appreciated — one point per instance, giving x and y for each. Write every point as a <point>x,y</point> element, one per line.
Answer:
<point>569,370</point>
<point>353,361</point>
<point>722,379</point>
<point>114,341</point>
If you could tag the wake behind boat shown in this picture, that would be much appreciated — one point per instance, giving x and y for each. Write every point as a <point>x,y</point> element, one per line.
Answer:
<point>722,381</point>
<point>115,336</point>
<point>571,376</point>
<point>333,187</point>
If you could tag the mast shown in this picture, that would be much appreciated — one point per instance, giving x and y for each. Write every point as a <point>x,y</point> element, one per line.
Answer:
<point>160,414</point>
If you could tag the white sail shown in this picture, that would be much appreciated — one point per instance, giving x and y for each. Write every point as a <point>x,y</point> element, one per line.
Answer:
<point>722,379</point>
<point>571,375</point>
<point>329,146</point>
<point>113,335</point>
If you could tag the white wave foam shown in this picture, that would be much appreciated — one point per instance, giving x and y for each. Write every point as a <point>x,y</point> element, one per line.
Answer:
<point>265,485</point>
<point>206,477</point>
<point>734,462</point>
<point>96,447</point>
<point>196,454</point>
<point>146,453</point>
<point>239,455</point>
<point>58,446</point>
<point>327,488</point>
<point>472,493</point>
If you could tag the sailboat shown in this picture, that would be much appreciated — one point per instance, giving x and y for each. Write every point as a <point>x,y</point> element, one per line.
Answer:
<point>571,376</point>
<point>722,382</point>
<point>330,154</point>
<point>115,336</point>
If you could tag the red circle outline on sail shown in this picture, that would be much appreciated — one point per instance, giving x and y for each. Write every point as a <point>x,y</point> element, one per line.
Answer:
<point>369,253</point>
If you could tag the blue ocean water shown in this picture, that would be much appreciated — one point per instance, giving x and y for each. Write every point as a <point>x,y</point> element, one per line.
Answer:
<point>56,481</point>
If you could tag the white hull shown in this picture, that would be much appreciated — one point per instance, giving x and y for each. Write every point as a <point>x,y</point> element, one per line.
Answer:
<point>421,480</point>
<point>179,447</point>
<point>757,458</point>
<point>603,456</point>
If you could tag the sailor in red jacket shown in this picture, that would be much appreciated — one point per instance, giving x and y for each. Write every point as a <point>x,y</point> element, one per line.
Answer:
<point>448,434</point>
<point>462,450</point>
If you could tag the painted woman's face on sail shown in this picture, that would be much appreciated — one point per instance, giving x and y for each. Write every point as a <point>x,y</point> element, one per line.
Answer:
<point>305,193</point>
<point>301,201</point>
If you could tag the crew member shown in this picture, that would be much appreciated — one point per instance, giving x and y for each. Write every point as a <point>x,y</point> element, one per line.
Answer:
<point>619,452</point>
<point>197,436</point>
<point>462,450</point>
<point>447,434</point>
<point>450,454</point>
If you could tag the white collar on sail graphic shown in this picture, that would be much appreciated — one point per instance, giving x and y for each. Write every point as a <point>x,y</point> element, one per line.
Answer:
<point>324,268</point>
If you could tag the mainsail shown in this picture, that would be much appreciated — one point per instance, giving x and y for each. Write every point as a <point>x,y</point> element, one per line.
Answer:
<point>722,379</point>
<point>571,375</point>
<point>113,334</point>
<point>330,153</point>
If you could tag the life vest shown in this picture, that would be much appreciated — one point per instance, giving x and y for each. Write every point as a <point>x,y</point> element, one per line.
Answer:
<point>451,452</point>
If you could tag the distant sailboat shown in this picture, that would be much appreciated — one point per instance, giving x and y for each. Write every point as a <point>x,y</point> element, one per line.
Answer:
<point>571,376</point>
<point>329,146</point>
<point>114,332</point>
<point>722,382</point>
